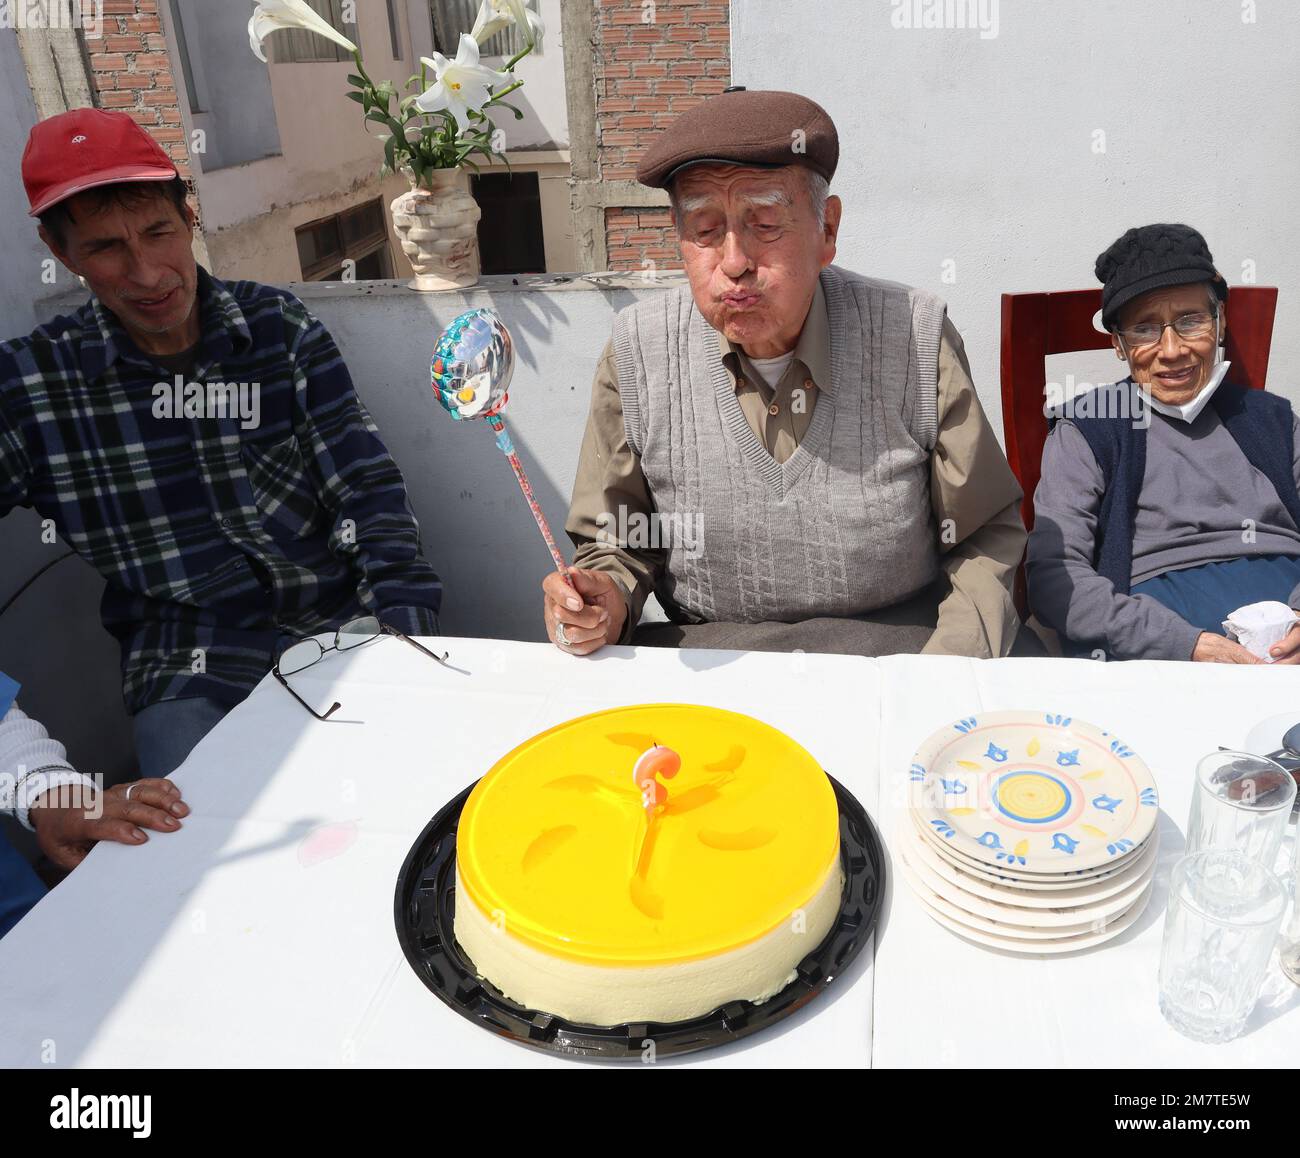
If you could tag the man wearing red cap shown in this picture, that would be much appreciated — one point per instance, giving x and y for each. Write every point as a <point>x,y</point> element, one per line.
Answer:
<point>263,508</point>
<point>788,454</point>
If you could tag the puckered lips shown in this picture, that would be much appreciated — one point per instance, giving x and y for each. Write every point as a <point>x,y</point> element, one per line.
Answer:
<point>741,299</point>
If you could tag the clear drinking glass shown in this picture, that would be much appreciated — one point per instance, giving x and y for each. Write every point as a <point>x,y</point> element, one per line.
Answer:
<point>1241,802</point>
<point>1224,913</point>
<point>1289,953</point>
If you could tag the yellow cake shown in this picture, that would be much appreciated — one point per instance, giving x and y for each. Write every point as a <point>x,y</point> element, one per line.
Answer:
<point>601,898</point>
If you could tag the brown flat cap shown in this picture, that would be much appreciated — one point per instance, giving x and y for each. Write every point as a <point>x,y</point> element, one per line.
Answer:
<point>744,127</point>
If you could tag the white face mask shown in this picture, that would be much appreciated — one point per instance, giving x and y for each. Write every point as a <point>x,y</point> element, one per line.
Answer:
<point>1188,411</point>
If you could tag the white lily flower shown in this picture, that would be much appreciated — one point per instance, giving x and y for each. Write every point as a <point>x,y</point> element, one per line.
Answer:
<point>494,15</point>
<point>276,15</point>
<point>462,84</point>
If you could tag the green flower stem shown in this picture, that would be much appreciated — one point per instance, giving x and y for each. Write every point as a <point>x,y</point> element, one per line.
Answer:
<point>496,96</point>
<point>361,69</point>
<point>517,58</point>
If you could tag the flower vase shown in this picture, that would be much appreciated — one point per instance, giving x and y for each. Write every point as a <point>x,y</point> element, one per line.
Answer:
<point>437,224</point>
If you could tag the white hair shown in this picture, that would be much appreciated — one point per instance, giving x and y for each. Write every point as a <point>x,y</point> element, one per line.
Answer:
<point>817,186</point>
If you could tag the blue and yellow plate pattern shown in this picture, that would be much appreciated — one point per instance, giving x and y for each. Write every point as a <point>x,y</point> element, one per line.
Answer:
<point>1033,792</point>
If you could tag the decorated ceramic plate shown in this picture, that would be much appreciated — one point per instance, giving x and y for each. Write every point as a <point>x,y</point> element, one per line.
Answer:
<point>1019,877</point>
<point>1104,930</point>
<point>1033,791</point>
<point>1002,923</point>
<point>1087,892</point>
<point>963,893</point>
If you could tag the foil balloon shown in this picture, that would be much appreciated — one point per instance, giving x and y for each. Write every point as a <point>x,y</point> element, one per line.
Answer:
<point>470,372</point>
<point>472,364</point>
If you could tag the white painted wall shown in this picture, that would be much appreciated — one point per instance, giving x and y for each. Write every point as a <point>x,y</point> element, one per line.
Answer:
<point>980,150</point>
<point>478,532</point>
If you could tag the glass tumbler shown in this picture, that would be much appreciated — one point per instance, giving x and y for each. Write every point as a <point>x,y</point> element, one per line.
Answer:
<point>1224,913</point>
<point>1240,802</point>
<point>1289,954</point>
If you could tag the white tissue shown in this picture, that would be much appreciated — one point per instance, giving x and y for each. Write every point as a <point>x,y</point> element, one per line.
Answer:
<point>1258,626</point>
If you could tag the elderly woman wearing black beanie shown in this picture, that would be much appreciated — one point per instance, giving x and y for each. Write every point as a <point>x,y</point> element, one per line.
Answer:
<point>1167,500</point>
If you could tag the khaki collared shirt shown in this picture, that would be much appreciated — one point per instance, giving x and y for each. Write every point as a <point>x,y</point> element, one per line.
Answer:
<point>974,495</point>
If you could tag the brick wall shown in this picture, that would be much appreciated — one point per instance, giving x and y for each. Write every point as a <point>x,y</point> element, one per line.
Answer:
<point>131,71</point>
<point>653,61</point>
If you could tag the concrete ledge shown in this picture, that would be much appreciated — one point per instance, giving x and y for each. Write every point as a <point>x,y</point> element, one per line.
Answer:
<point>497,284</point>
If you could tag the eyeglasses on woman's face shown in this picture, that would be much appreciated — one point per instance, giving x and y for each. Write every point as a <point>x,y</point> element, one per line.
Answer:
<point>1191,326</point>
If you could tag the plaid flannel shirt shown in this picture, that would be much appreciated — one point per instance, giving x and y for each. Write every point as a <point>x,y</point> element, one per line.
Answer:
<point>215,540</point>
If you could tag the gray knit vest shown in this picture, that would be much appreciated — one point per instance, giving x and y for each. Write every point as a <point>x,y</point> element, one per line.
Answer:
<point>842,527</point>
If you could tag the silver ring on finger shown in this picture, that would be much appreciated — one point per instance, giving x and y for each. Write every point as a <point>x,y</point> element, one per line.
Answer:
<point>560,637</point>
<point>129,789</point>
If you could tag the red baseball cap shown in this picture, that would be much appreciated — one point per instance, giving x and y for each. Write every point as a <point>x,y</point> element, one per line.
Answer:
<point>85,148</point>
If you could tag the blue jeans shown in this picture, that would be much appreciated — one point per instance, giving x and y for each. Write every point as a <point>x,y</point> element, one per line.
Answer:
<point>20,887</point>
<point>166,732</point>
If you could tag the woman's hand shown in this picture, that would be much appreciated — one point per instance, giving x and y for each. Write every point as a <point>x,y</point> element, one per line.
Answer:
<point>71,819</point>
<point>1288,650</point>
<point>1211,648</point>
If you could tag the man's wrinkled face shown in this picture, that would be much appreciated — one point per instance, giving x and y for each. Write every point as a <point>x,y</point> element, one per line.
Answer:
<point>1173,367</point>
<point>137,260</point>
<point>752,249</point>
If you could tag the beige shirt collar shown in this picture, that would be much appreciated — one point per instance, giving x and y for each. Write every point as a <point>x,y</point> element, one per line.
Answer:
<point>813,348</point>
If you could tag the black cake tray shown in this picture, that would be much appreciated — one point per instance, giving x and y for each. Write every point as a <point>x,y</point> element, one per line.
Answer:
<point>424,909</point>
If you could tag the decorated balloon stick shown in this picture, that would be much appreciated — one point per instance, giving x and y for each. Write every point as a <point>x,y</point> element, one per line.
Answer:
<point>471,369</point>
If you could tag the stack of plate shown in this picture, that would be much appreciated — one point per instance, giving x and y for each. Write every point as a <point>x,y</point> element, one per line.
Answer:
<point>1030,832</point>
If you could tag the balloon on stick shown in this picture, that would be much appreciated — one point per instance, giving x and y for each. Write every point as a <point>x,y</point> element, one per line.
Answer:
<point>470,372</point>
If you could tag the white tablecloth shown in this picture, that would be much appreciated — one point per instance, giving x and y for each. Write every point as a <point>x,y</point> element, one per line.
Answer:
<point>262,934</point>
<point>943,1001</point>
<point>239,941</point>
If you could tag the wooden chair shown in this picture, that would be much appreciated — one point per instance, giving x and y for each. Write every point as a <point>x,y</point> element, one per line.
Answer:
<point>1037,325</point>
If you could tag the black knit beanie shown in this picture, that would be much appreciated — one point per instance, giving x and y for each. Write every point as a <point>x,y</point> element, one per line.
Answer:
<point>1151,257</point>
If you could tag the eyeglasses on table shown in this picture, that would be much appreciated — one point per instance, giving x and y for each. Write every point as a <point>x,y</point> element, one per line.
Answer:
<point>297,657</point>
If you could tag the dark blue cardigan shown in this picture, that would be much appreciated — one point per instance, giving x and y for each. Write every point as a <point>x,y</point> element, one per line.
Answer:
<point>1260,423</point>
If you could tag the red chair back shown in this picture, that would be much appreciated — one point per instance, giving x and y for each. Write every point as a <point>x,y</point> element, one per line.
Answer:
<point>1035,326</point>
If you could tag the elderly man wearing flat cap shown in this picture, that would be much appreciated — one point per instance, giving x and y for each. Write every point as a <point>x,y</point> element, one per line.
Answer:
<point>788,454</point>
